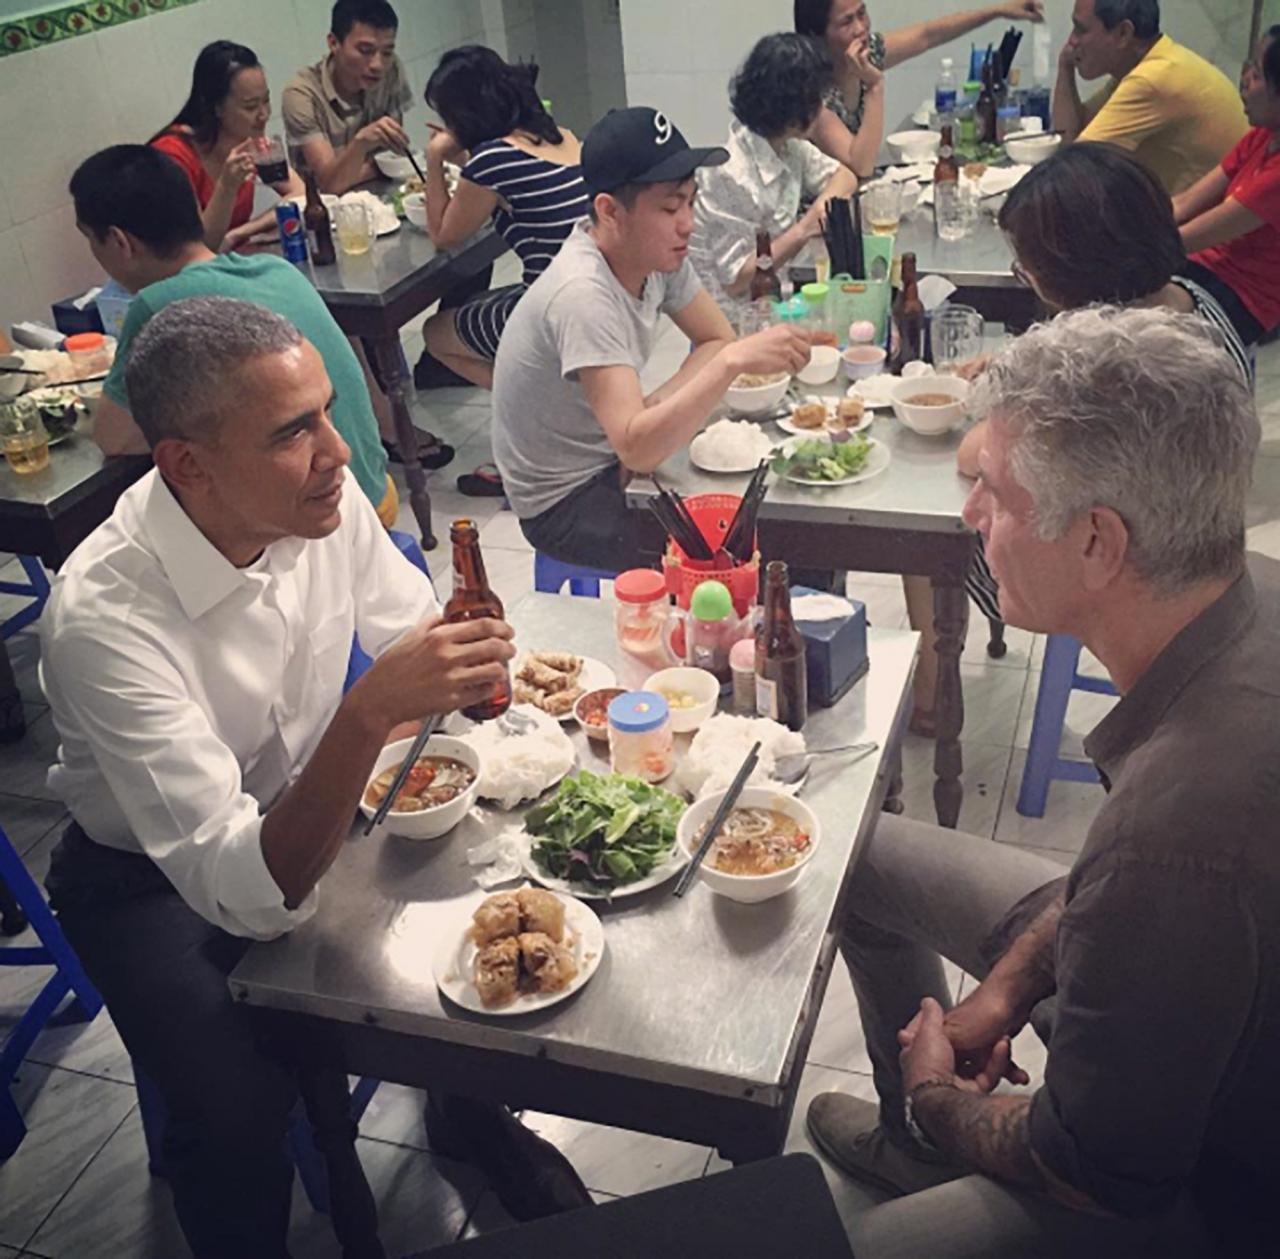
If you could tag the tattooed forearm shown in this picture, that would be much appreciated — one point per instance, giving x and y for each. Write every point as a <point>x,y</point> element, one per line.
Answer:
<point>991,1134</point>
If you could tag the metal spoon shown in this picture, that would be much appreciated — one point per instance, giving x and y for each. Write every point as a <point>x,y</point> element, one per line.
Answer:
<point>794,769</point>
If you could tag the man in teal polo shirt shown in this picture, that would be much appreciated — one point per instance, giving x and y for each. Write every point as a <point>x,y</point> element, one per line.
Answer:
<point>134,206</point>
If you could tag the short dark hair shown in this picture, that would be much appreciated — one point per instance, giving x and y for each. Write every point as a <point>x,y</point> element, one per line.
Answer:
<point>1092,224</point>
<point>480,97</point>
<point>216,66</point>
<point>377,14</point>
<point>1271,58</point>
<point>780,85</point>
<point>812,16</point>
<point>626,194</point>
<point>141,191</point>
<point>1144,14</point>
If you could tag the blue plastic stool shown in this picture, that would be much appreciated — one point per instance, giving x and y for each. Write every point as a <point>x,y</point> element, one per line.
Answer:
<point>549,577</point>
<point>1060,677</point>
<point>306,1158</point>
<point>36,585</point>
<point>68,976</point>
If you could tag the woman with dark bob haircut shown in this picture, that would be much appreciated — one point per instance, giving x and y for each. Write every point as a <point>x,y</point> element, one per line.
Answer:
<point>852,123</point>
<point>776,97</point>
<point>519,169</point>
<point>214,137</point>
<point>1093,225</point>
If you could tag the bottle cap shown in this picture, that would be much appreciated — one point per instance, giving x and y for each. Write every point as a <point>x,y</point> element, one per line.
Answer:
<point>815,292</point>
<point>83,341</point>
<point>639,585</point>
<point>972,87</point>
<point>947,63</point>
<point>711,601</point>
<point>638,712</point>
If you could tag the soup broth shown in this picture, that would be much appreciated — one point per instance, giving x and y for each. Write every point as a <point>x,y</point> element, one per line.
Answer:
<point>432,781</point>
<point>930,400</point>
<point>758,841</point>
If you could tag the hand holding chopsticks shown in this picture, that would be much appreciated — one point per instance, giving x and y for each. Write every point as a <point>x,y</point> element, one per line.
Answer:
<point>718,819</point>
<point>429,727</point>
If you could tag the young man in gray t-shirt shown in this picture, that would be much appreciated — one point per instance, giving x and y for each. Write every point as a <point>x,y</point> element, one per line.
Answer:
<point>571,423</point>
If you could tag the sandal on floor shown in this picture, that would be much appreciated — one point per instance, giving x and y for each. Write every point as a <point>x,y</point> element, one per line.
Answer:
<point>432,453</point>
<point>484,482</point>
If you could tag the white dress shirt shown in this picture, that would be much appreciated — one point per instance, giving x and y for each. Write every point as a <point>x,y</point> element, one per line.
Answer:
<point>189,693</point>
<point>757,188</point>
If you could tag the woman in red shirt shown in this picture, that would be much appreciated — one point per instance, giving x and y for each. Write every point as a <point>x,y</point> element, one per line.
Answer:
<point>1230,220</point>
<point>214,137</point>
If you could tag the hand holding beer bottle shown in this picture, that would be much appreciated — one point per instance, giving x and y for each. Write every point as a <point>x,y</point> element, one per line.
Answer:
<point>473,600</point>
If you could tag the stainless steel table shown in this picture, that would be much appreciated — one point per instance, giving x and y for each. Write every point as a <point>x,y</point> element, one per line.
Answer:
<point>696,1025</point>
<point>48,513</point>
<point>906,520</point>
<point>374,295</point>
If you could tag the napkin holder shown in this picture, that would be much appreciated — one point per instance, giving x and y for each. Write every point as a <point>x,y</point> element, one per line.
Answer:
<point>835,651</point>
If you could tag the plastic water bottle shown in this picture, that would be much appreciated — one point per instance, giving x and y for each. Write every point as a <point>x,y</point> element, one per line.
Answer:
<point>944,92</point>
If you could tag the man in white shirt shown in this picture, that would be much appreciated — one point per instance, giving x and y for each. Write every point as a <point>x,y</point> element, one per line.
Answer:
<point>194,651</point>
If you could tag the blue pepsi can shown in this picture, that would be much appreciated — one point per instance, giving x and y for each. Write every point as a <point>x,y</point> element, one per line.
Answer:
<point>292,235</point>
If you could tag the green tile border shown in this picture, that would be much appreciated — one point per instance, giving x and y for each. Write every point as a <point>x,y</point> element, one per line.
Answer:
<point>39,30</point>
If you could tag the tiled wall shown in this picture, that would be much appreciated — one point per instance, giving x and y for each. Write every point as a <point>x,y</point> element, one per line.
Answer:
<point>64,102</point>
<point>680,55</point>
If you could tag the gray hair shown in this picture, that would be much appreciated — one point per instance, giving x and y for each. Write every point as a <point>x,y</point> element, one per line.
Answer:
<point>1144,14</point>
<point>184,359</point>
<point>1140,410</point>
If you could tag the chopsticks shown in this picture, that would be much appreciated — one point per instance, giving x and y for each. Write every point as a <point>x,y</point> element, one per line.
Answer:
<point>413,161</point>
<point>742,528</point>
<point>429,727</point>
<point>718,819</point>
<point>674,516</point>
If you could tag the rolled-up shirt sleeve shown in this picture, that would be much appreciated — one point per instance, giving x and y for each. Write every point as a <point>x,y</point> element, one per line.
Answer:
<point>1157,965</point>
<point>818,169</point>
<point>177,783</point>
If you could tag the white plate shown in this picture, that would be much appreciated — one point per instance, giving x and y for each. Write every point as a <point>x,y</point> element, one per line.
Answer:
<point>454,960</point>
<point>789,426</point>
<point>709,465</point>
<point>661,874</point>
<point>877,462</point>
<point>595,674</point>
<point>874,395</point>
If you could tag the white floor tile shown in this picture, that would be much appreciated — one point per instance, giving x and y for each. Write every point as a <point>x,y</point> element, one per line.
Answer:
<point>503,530</point>
<point>27,821</point>
<point>25,764</point>
<point>1068,815</point>
<point>992,699</point>
<point>986,768</point>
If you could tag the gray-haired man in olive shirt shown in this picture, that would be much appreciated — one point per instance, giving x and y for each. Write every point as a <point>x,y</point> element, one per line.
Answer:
<point>1111,497</point>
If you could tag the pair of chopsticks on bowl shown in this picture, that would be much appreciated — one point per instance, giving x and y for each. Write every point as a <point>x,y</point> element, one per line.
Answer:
<point>429,727</point>
<point>723,810</point>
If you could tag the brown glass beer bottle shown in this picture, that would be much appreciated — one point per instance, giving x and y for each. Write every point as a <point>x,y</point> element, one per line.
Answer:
<point>782,686</point>
<point>472,600</point>
<point>908,316</point>
<point>319,226</point>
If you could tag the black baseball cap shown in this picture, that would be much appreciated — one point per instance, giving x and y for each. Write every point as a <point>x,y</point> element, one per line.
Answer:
<point>640,146</point>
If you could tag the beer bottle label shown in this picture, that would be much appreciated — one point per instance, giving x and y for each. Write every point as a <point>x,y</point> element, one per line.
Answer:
<point>766,698</point>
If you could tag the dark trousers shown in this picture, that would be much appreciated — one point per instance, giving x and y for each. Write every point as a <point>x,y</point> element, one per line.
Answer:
<point>592,526</point>
<point>162,970</point>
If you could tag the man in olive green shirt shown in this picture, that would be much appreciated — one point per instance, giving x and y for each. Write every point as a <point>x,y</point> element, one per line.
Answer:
<point>342,110</point>
<point>134,206</point>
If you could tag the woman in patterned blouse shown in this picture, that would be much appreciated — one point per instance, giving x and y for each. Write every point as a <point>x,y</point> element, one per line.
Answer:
<point>852,124</point>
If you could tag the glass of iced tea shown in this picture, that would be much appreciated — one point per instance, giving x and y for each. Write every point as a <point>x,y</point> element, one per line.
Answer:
<point>882,207</point>
<point>23,437</point>
<point>354,223</point>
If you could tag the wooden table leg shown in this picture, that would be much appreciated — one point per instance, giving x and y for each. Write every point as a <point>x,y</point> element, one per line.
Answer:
<point>949,624</point>
<point>893,790</point>
<point>395,372</point>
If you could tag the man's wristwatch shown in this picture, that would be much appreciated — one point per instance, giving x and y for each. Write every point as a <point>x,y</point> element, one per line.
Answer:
<point>916,1132</point>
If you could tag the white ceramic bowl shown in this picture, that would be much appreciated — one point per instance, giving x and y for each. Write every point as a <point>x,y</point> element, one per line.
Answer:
<point>824,362</point>
<point>1031,150</point>
<point>914,146</point>
<point>592,731</point>
<point>396,165</point>
<point>757,400</point>
<point>750,889</point>
<point>861,361</point>
<point>931,421</point>
<point>703,686</point>
<point>428,823</point>
<point>415,209</point>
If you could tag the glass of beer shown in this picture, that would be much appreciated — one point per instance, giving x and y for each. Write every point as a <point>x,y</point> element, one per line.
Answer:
<point>354,222</point>
<point>23,436</point>
<point>269,158</point>
<point>882,207</point>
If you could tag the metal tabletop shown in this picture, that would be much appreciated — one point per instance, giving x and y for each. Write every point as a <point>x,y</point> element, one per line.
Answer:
<point>982,259</point>
<point>703,996</point>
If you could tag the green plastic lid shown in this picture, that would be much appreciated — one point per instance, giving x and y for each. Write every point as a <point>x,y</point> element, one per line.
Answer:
<point>711,602</point>
<point>815,292</point>
<point>972,87</point>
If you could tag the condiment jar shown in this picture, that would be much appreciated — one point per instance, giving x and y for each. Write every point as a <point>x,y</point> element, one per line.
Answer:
<point>742,664</point>
<point>703,636</point>
<point>818,299</point>
<point>640,612</point>
<point>88,352</point>
<point>640,740</point>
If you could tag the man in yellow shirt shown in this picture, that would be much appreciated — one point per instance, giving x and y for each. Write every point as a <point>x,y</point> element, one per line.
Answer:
<point>1176,113</point>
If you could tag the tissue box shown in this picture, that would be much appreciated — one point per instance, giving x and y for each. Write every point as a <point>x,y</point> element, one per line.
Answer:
<point>835,651</point>
<point>70,317</point>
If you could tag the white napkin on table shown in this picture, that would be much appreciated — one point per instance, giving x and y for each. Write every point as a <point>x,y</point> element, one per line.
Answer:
<point>820,607</point>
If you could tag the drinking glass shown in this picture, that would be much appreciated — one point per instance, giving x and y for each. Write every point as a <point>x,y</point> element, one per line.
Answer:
<point>957,335</point>
<point>951,209</point>
<point>354,223</point>
<point>882,207</point>
<point>269,159</point>
<point>23,436</point>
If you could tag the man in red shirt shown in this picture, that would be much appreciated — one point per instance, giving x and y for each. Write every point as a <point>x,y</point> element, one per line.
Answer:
<point>1230,219</point>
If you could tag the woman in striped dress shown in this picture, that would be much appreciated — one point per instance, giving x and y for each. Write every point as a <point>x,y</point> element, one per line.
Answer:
<point>518,169</point>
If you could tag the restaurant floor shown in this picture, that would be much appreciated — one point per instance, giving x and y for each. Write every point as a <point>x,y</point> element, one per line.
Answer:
<point>78,1187</point>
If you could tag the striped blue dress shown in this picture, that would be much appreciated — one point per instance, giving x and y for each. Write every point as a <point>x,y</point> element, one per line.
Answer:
<point>543,200</point>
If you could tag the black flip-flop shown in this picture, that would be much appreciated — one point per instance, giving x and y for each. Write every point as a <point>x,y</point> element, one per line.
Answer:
<point>484,482</point>
<point>438,456</point>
